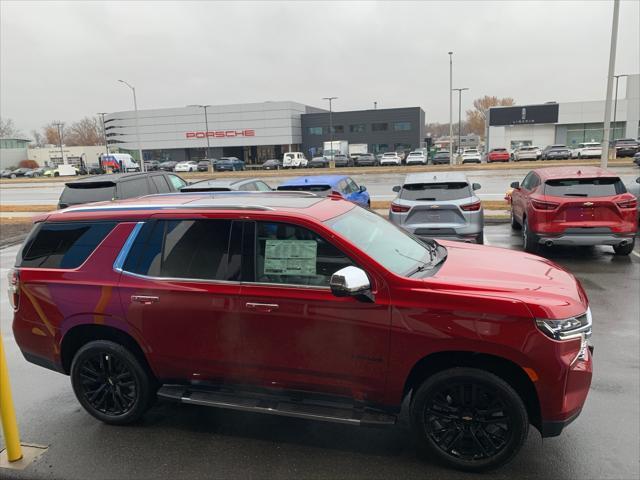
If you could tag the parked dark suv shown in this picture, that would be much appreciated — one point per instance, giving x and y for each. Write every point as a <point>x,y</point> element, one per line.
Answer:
<point>118,186</point>
<point>287,303</point>
<point>626,147</point>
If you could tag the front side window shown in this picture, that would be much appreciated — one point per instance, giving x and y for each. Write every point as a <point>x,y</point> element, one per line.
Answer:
<point>63,245</point>
<point>263,187</point>
<point>176,182</point>
<point>160,183</point>
<point>289,254</point>
<point>191,249</point>
<point>353,187</point>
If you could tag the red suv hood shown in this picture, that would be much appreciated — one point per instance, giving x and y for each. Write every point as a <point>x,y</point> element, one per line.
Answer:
<point>546,288</point>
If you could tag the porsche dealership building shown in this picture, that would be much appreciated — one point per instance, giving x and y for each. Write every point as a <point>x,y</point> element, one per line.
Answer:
<point>255,132</point>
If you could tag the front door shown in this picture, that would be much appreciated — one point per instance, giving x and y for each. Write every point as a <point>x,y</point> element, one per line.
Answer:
<point>297,334</point>
<point>179,289</point>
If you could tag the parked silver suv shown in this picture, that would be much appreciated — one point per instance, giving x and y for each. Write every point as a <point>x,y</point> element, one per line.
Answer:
<point>440,205</point>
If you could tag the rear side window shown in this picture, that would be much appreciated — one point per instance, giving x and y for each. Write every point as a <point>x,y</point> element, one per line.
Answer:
<point>194,249</point>
<point>584,187</point>
<point>161,183</point>
<point>133,188</point>
<point>63,245</point>
<point>435,192</point>
<point>99,193</point>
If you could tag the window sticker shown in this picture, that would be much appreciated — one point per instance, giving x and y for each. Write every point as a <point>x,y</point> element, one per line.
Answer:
<point>290,257</point>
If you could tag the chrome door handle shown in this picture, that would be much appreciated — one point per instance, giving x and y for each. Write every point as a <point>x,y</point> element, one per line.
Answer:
<point>145,299</point>
<point>262,307</point>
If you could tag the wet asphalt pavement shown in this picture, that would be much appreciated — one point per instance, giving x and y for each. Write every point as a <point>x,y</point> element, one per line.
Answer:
<point>175,441</point>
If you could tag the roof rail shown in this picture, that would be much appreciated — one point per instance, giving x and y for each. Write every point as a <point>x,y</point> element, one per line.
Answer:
<point>279,193</point>
<point>188,206</point>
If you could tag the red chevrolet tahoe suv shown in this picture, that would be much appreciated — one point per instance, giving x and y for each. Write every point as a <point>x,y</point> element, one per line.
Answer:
<point>574,206</point>
<point>291,304</point>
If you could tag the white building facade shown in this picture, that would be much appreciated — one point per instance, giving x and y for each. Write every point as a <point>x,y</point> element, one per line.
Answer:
<point>252,132</point>
<point>573,123</point>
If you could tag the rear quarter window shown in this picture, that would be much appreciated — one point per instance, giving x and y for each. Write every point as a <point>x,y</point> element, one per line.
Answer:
<point>584,187</point>
<point>133,188</point>
<point>62,245</point>
<point>434,192</point>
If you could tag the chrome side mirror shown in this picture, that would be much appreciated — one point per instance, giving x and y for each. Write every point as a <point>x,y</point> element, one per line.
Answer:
<point>351,282</point>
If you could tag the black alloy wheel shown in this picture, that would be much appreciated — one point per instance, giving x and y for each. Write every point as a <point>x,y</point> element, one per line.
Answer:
<point>469,418</point>
<point>111,383</point>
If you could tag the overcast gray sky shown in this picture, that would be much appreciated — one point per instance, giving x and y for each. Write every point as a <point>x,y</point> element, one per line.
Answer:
<point>62,60</point>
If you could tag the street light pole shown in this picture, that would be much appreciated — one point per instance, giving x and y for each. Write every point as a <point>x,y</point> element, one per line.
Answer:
<point>206,124</point>
<point>331,164</point>
<point>59,126</point>
<point>615,104</point>
<point>604,157</point>
<point>135,107</point>
<point>450,106</point>
<point>104,131</point>
<point>459,90</point>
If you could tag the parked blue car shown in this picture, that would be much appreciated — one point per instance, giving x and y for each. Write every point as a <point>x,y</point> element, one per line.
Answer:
<point>228,164</point>
<point>326,184</point>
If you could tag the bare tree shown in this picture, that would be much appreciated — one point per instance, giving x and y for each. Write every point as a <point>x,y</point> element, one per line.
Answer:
<point>9,130</point>
<point>475,117</point>
<point>50,132</point>
<point>84,132</point>
<point>38,139</point>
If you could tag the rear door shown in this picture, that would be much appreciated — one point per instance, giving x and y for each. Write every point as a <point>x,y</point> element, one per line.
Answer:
<point>520,196</point>
<point>180,289</point>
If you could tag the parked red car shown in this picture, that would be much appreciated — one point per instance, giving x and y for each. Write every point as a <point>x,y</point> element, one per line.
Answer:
<point>291,304</point>
<point>498,155</point>
<point>574,206</point>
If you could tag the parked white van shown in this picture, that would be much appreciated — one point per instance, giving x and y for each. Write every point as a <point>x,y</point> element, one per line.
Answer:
<point>119,161</point>
<point>294,160</point>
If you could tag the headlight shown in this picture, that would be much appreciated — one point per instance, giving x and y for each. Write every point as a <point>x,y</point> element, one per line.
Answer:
<point>568,328</point>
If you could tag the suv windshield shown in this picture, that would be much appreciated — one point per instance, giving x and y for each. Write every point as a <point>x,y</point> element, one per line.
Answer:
<point>387,244</point>
<point>584,187</point>
<point>98,192</point>
<point>434,192</point>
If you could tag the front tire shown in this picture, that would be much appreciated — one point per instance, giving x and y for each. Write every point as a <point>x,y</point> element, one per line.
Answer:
<point>111,383</point>
<point>624,249</point>
<point>469,419</point>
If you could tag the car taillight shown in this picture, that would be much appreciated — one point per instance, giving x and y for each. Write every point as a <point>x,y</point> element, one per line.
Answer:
<point>399,208</point>
<point>13,278</point>
<point>538,205</point>
<point>471,207</point>
<point>628,203</point>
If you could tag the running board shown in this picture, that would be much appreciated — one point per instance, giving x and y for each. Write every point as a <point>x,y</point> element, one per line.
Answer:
<point>325,411</point>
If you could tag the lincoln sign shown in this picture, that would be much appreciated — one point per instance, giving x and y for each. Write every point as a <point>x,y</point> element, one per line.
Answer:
<point>222,134</point>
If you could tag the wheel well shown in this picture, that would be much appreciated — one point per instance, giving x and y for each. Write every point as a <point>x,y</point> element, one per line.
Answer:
<point>507,370</point>
<point>83,334</point>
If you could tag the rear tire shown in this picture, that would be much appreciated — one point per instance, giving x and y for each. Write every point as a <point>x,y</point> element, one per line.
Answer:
<point>514,223</point>
<point>469,419</point>
<point>111,383</point>
<point>624,250</point>
<point>529,239</point>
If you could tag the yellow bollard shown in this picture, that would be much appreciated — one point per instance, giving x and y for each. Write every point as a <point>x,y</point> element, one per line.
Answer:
<point>7,412</point>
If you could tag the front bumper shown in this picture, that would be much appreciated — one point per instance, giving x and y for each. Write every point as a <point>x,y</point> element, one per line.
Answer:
<point>554,428</point>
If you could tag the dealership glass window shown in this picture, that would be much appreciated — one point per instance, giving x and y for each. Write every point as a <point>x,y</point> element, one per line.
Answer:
<point>402,126</point>
<point>357,128</point>
<point>401,147</point>
<point>316,130</point>
<point>338,129</point>
<point>379,127</point>
<point>592,132</point>
<point>379,147</point>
